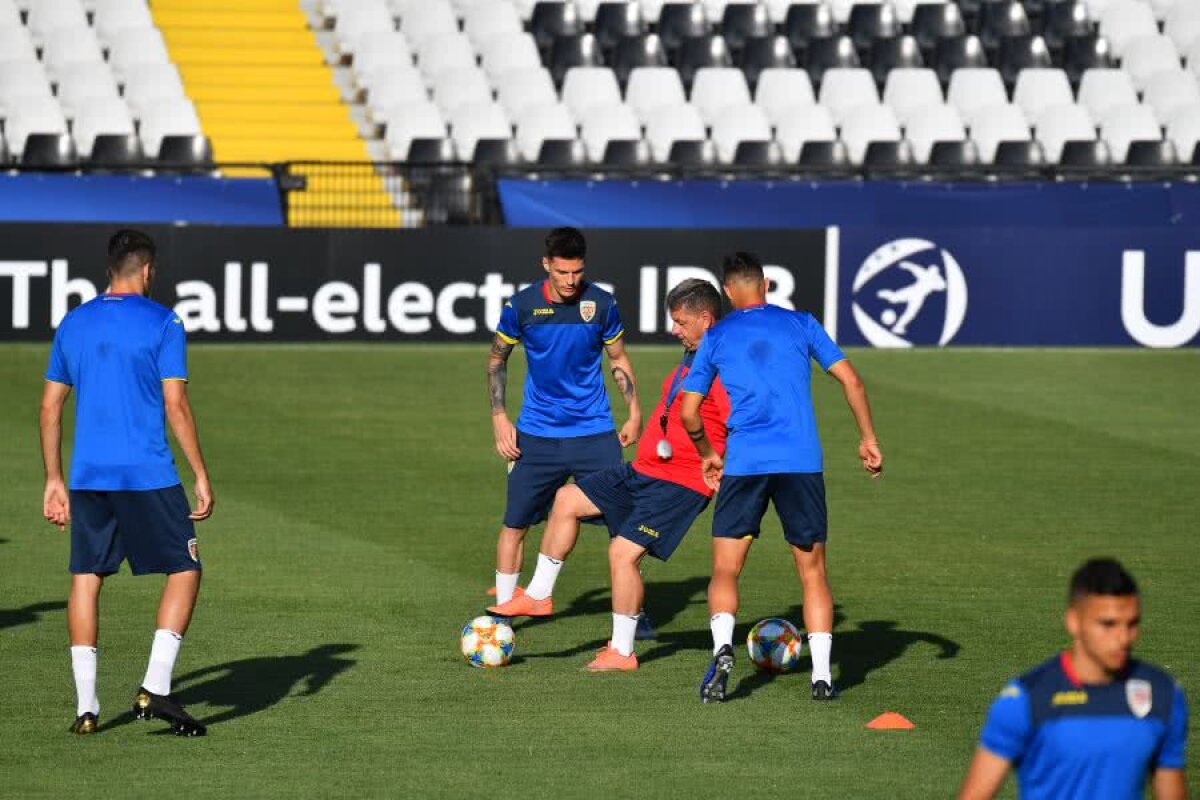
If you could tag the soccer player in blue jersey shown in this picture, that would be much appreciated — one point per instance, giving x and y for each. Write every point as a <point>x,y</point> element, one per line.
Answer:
<point>1091,723</point>
<point>761,353</point>
<point>565,428</point>
<point>125,357</point>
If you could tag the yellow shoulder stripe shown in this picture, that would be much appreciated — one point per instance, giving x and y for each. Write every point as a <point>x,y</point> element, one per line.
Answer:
<point>615,338</point>
<point>507,339</point>
<point>164,380</point>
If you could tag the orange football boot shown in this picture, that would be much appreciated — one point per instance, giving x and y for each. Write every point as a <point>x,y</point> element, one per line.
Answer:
<point>522,605</point>
<point>516,592</point>
<point>609,660</point>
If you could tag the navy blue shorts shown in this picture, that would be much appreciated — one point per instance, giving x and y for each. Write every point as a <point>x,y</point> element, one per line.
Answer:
<point>546,464</point>
<point>651,512</point>
<point>799,499</point>
<point>151,529</point>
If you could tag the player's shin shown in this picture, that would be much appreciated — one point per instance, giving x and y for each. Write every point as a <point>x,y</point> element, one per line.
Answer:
<point>83,666</point>
<point>545,575</point>
<point>163,653</point>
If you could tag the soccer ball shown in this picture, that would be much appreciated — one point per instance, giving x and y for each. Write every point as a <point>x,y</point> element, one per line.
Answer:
<point>774,645</point>
<point>487,642</point>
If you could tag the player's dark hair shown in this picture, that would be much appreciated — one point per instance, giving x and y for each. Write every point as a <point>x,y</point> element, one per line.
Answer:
<point>566,243</point>
<point>1102,576</point>
<point>696,295</point>
<point>129,250</point>
<point>741,266</point>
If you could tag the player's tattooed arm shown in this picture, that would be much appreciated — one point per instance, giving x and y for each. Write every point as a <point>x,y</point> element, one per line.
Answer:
<point>497,372</point>
<point>622,372</point>
<point>625,383</point>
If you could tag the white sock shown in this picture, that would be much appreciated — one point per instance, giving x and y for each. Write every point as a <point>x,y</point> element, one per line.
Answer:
<point>819,645</point>
<point>162,661</point>
<point>83,664</point>
<point>624,628</point>
<point>722,630</point>
<point>505,586</point>
<point>541,585</point>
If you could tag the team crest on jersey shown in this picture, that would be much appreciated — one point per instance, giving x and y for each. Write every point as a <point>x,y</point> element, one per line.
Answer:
<point>587,310</point>
<point>1139,696</point>
<point>194,550</point>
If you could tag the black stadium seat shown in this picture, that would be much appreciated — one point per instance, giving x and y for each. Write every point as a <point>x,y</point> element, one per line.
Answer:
<point>824,54</point>
<point>1081,53</point>
<point>49,150</point>
<point>765,52</point>
<point>1064,20</point>
<point>1151,153</point>
<point>888,155</point>
<point>956,52</point>
<point>185,152</point>
<point>430,151</point>
<point>1084,153</point>
<point>824,154</point>
<point>1000,18</point>
<point>743,21</point>
<point>869,22</point>
<point>615,21</point>
<point>1021,52</point>
<point>696,52</point>
<point>932,22</point>
<point>562,153</point>
<point>496,153</point>
<point>645,50</point>
<point>688,153</point>
<point>954,154</point>
<point>898,52</point>
<point>116,150</point>
<point>807,23</point>
<point>1196,155</point>
<point>578,50</point>
<point>1019,154</point>
<point>758,154</point>
<point>626,153</point>
<point>551,20</point>
<point>679,21</point>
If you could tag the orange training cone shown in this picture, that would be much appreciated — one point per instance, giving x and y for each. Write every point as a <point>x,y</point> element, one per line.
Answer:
<point>890,721</point>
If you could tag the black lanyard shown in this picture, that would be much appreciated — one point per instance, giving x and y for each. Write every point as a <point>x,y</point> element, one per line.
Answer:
<point>669,398</point>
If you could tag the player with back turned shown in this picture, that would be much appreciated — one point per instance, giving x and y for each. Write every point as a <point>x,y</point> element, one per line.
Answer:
<point>124,355</point>
<point>762,355</point>
<point>565,428</point>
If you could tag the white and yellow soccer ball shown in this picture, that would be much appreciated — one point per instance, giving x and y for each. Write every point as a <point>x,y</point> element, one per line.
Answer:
<point>775,645</point>
<point>487,642</point>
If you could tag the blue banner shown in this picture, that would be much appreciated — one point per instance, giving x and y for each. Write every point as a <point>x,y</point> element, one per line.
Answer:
<point>937,285</point>
<point>803,204</point>
<point>134,199</point>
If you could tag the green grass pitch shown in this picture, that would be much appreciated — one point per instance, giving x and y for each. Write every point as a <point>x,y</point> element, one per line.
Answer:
<point>358,499</point>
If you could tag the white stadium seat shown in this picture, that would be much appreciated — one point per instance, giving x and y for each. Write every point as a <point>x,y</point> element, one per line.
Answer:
<point>653,87</point>
<point>420,121</point>
<point>781,88</point>
<point>15,44</point>
<point>1102,89</point>
<point>587,87</point>
<point>443,53</point>
<point>96,117</point>
<point>1168,91</point>
<point>369,16</point>
<point>866,124</point>
<point>799,125</point>
<point>19,80</point>
<point>421,20</point>
<point>395,87</point>
<point>380,50</point>
<point>1184,131</point>
<point>113,16</point>
<point>1126,124</point>
<point>541,123</point>
<point>46,16</point>
<point>152,83</point>
<point>602,124</point>
<point>134,48</point>
<point>744,123</point>
<point>167,118</point>
<point>669,124</point>
<point>460,87</point>
<point>1060,124</point>
<point>488,19</point>
<point>66,46</point>
<point>507,53</point>
<point>1147,55</point>
<point>526,88</point>
<point>80,83</point>
<point>475,122</point>
<point>1004,122</point>
<point>33,115</point>
<point>1040,88</point>
<point>909,89</point>
<point>975,88</point>
<point>845,88</point>
<point>926,126</point>
<point>1126,20</point>
<point>1182,25</point>
<point>717,88</point>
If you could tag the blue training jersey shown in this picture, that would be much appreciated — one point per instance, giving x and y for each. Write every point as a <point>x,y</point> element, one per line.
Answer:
<point>564,387</point>
<point>1070,740</point>
<point>762,355</point>
<point>116,350</point>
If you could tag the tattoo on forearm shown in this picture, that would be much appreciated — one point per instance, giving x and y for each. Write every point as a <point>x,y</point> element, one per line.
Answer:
<point>625,384</point>
<point>696,435</point>
<point>498,373</point>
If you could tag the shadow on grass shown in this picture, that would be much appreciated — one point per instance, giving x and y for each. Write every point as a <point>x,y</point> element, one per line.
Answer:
<point>251,685</point>
<point>12,617</point>
<point>856,653</point>
<point>3,541</point>
<point>664,601</point>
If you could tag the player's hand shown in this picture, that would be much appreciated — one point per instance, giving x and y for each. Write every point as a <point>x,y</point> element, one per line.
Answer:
<point>713,467</point>
<point>630,431</point>
<point>204,500</point>
<point>872,457</point>
<point>56,504</point>
<point>506,437</point>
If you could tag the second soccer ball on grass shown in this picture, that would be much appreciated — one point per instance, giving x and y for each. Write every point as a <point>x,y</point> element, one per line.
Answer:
<point>487,642</point>
<point>775,645</point>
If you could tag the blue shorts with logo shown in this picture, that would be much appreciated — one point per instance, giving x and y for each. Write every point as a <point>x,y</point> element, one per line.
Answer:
<point>799,499</point>
<point>150,529</point>
<point>546,464</point>
<point>650,512</point>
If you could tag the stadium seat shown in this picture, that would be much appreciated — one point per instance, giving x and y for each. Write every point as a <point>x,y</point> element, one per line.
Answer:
<point>954,155</point>
<point>718,88</point>
<point>999,19</point>
<point>1182,25</point>
<point>627,153</point>
<point>435,150</point>
<point>825,154</point>
<point>20,80</point>
<point>866,124</point>
<point>1040,88</point>
<point>653,87</point>
<point>1059,124</point>
<point>1081,53</point>
<point>442,53</point>
<point>588,87</point>
<point>423,20</point>
<point>635,52</point>
<point>758,154</point>
<point>1065,19</point>
<point>1147,55</point>
<point>953,53</point>
<point>1124,21</point>
<point>10,16</point>
<point>994,124</point>
<point>700,52</point>
<point>562,153</point>
<point>906,10</point>
<point>932,124</point>
<point>843,90</point>
<point>509,52</point>
<point>379,50</point>
<point>1124,124</point>
<point>1169,91</point>
<point>47,150</point>
<point>936,21</point>
<point>601,124</point>
<point>80,83</point>
<point>806,23</point>
<point>692,153</point>
<point>551,20</point>
<point>355,20</point>
<point>540,123</point>
<point>887,156</point>
<point>907,90</point>
<point>781,89</point>
<point>48,15</point>
<point>616,21</point>
<point>485,20</point>
<point>1103,89</point>
<point>765,52</point>
<point>1193,59</point>
<point>570,52</point>
<point>116,150</point>
<point>743,21</point>
<point>871,21</point>
<point>167,118</point>
<point>112,16</point>
<point>1018,155</point>
<point>834,53</point>
<point>669,124</point>
<point>15,44</point>
<point>974,88</point>
<point>63,47</point>
<point>1151,153</point>
<point>741,123</point>
<point>476,123</point>
<point>1184,130</point>
<point>97,116</point>
<point>1019,53</point>
<point>460,87</point>
<point>679,21</point>
<point>135,48</point>
<point>395,87</point>
<point>418,121</point>
<point>797,125</point>
<point>898,52</point>
<point>1084,154</point>
<point>842,9</point>
<point>526,88</point>
<point>32,115</point>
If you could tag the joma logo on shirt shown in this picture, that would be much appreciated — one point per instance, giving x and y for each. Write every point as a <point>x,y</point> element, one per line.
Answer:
<point>1068,699</point>
<point>648,531</point>
<point>543,312</point>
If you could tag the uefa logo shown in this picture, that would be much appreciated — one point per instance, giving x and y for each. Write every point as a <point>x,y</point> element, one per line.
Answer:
<point>909,292</point>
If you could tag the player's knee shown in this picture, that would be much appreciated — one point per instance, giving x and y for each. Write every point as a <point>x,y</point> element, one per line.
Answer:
<point>569,501</point>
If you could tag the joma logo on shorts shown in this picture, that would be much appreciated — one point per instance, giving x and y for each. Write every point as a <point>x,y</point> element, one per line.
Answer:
<point>648,531</point>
